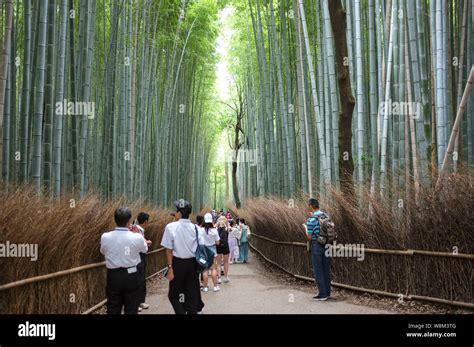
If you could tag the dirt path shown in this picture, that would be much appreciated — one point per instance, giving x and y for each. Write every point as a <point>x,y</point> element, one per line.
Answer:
<point>252,291</point>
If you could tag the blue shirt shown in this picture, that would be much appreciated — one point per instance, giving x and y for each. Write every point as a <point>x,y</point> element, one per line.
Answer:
<point>313,224</point>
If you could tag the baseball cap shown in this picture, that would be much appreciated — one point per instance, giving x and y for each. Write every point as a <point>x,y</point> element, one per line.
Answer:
<point>183,205</point>
<point>207,218</point>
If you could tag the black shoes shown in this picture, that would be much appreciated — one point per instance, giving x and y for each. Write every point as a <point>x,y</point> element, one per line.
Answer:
<point>320,298</point>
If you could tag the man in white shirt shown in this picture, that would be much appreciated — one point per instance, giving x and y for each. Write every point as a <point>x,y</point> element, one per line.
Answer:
<point>180,241</point>
<point>121,249</point>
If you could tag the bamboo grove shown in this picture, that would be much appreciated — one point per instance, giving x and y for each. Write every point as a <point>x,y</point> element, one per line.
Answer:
<point>108,96</point>
<point>409,62</point>
<point>119,97</point>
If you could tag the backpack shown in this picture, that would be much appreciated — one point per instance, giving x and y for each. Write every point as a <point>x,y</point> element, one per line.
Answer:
<point>327,229</point>
<point>204,256</point>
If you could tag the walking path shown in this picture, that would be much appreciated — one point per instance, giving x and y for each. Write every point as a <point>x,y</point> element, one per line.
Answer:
<point>252,291</point>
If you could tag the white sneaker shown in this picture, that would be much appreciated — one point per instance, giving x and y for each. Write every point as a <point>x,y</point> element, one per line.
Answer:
<point>140,309</point>
<point>216,289</point>
<point>219,280</point>
<point>226,280</point>
<point>205,289</point>
<point>144,306</point>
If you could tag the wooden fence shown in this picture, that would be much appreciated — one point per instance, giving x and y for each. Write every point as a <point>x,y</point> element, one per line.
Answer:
<point>402,274</point>
<point>69,291</point>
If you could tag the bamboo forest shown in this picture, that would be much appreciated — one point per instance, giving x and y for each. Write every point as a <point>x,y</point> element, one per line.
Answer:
<point>249,109</point>
<point>120,97</point>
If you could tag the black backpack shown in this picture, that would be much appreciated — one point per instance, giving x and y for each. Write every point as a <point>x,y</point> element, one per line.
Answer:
<point>204,256</point>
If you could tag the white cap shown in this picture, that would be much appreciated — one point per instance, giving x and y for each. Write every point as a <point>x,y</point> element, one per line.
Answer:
<point>207,218</point>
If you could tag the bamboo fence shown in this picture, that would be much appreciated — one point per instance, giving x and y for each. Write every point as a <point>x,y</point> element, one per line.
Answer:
<point>28,291</point>
<point>377,274</point>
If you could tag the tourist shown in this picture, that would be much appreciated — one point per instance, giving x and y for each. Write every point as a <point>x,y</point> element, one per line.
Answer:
<point>210,239</point>
<point>180,242</point>
<point>234,241</point>
<point>122,249</point>
<point>244,244</point>
<point>223,249</point>
<point>321,262</point>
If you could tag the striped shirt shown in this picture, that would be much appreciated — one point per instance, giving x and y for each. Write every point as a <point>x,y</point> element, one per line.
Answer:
<point>312,224</point>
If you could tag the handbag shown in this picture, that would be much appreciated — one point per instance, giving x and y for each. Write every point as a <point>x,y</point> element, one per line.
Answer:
<point>204,256</point>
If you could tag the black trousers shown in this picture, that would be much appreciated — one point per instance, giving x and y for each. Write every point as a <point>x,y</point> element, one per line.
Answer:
<point>122,290</point>
<point>142,267</point>
<point>184,288</point>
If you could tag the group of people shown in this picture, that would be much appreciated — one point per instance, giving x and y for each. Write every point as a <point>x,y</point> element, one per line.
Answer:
<point>215,231</point>
<point>227,239</point>
<point>125,251</point>
<point>126,246</point>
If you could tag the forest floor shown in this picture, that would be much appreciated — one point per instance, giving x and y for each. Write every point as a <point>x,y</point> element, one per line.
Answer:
<point>256,288</point>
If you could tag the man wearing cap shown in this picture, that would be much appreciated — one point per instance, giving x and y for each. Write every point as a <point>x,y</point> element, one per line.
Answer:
<point>180,241</point>
<point>122,249</point>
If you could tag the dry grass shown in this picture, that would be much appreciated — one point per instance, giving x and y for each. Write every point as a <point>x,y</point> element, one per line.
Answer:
<point>438,222</point>
<point>69,237</point>
<point>66,238</point>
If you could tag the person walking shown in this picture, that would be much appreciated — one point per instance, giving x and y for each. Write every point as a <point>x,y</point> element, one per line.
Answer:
<point>223,250</point>
<point>244,244</point>
<point>180,241</point>
<point>234,241</point>
<point>122,249</point>
<point>210,239</point>
<point>321,262</point>
<point>199,224</point>
<point>139,227</point>
<point>214,216</point>
<point>221,220</point>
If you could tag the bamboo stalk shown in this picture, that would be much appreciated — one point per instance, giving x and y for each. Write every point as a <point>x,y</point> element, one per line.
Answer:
<point>4,69</point>
<point>324,164</point>
<point>457,124</point>
<point>460,70</point>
